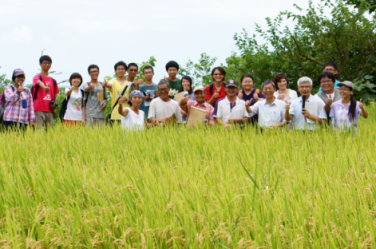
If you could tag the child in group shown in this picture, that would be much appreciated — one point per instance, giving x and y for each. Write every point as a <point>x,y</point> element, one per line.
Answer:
<point>132,117</point>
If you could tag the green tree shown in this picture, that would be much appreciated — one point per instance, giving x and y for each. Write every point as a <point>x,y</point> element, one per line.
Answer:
<point>326,31</point>
<point>368,5</point>
<point>199,71</point>
<point>4,81</point>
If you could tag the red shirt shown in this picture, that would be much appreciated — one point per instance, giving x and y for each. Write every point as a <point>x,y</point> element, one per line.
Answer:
<point>208,95</point>
<point>43,99</point>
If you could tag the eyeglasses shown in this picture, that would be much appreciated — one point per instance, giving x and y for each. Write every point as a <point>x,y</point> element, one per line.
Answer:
<point>133,70</point>
<point>326,81</point>
<point>216,74</point>
<point>94,71</point>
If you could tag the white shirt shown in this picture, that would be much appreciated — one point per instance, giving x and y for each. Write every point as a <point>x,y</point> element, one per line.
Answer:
<point>133,121</point>
<point>314,105</point>
<point>226,112</point>
<point>269,114</point>
<point>291,95</point>
<point>160,109</point>
<point>74,106</point>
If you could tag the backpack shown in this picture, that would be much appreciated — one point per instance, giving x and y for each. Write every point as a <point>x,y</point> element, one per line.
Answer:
<point>64,105</point>
<point>2,103</point>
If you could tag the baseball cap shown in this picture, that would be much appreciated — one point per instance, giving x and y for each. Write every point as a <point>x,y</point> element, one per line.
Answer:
<point>198,88</point>
<point>347,83</point>
<point>231,83</point>
<point>135,93</point>
<point>18,72</point>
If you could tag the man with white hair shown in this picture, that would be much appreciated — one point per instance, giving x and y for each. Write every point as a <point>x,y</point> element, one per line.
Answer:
<point>306,111</point>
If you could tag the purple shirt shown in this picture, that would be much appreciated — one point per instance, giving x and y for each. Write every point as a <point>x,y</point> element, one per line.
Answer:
<point>13,111</point>
<point>250,96</point>
<point>339,113</point>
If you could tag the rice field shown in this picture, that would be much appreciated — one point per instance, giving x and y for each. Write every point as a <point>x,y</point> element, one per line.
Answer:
<point>188,188</point>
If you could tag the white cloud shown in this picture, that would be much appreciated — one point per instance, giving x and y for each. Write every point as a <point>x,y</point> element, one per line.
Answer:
<point>19,35</point>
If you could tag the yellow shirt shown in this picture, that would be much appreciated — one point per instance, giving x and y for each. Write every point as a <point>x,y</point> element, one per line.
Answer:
<point>116,89</point>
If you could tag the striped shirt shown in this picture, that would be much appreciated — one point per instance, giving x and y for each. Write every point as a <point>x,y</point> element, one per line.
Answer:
<point>13,110</point>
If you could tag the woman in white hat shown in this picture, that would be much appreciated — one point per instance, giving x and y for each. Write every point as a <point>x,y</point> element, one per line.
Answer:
<point>345,112</point>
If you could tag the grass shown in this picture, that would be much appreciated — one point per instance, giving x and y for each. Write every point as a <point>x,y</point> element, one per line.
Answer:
<point>187,188</point>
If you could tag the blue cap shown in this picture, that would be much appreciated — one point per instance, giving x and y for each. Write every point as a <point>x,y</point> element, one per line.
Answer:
<point>135,93</point>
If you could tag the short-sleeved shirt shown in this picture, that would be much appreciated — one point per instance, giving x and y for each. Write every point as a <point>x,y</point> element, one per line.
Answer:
<point>292,94</point>
<point>314,105</point>
<point>209,94</point>
<point>176,85</point>
<point>160,109</point>
<point>116,89</point>
<point>43,98</point>
<point>94,101</point>
<point>208,108</point>
<point>269,114</point>
<point>339,113</point>
<point>247,97</point>
<point>133,121</point>
<point>74,106</point>
<point>150,90</point>
<point>226,111</point>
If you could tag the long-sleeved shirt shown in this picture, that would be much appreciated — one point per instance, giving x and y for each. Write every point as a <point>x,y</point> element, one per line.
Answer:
<point>13,110</point>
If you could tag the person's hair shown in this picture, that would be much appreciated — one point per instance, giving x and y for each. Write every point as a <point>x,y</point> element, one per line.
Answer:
<point>304,79</point>
<point>328,75</point>
<point>91,67</point>
<point>267,82</point>
<point>221,70</point>
<point>120,63</point>
<point>172,64</point>
<point>331,63</point>
<point>147,67</point>
<point>75,76</point>
<point>246,75</point>
<point>352,107</point>
<point>45,58</point>
<point>278,77</point>
<point>190,83</point>
<point>132,64</point>
<point>163,82</point>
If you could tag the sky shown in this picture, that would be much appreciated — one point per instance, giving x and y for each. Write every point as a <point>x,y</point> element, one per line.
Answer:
<point>76,33</point>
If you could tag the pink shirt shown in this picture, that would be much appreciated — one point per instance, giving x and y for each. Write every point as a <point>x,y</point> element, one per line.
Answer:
<point>42,100</point>
<point>205,106</point>
<point>14,112</point>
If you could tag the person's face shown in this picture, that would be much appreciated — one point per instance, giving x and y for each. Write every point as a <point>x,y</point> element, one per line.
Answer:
<point>163,91</point>
<point>200,96</point>
<point>120,71</point>
<point>94,73</point>
<point>19,80</point>
<point>305,88</point>
<point>132,71</point>
<point>344,91</point>
<point>327,85</point>
<point>231,91</point>
<point>76,82</point>
<point>268,91</point>
<point>148,74</point>
<point>136,100</point>
<point>186,85</point>
<point>218,76</point>
<point>45,65</point>
<point>282,84</point>
<point>247,83</point>
<point>172,72</point>
<point>331,69</point>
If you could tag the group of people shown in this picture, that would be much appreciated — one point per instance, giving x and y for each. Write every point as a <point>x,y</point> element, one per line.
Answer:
<point>140,103</point>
